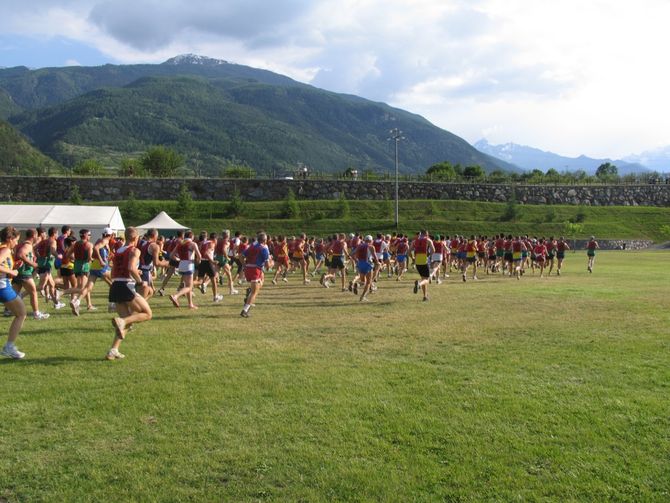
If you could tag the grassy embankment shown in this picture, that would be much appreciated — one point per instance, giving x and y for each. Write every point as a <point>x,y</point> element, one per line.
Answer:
<point>448,217</point>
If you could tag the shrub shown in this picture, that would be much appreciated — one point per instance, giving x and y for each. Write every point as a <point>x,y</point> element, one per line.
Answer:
<point>89,167</point>
<point>291,208</point>
<point>75,196</point>
<point>238,172</point>
<point>131,168</point>
<point>162,162</point>
<point>236,205</point>
<point>344,208</point>
<point>185,204</point>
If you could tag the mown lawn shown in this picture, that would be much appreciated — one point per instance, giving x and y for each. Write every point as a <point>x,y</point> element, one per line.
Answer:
<point>551,389</point>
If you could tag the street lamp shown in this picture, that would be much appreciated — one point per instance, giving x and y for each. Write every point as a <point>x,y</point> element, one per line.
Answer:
<point>396,136</point>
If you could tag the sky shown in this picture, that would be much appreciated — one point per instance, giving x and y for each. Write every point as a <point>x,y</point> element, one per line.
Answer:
<point>571,76</point>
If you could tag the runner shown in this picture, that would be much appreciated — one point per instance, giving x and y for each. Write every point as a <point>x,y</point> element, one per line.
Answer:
<point>319,255</point>
<point>81,253</point>
<point>222,258</point>
<point>150,258</point>
<point>436,258</point>
<point>65,232</point>
<point>255,258</point>
<point>422,248</point>
<point>470,258</point>
<point>402,249</point>
<point>188,254</point>
<point>13,303</point>
<point>561,248</point>
<point>298,256</point>
<point>518,247</point>
<point>173,263</point>
<point>540,251</point>
<point>46,251</point>
<point>26,265</point>
<point>591,248</point>
<point>100,268</point>
<point>206,267</point>
<point>280,252</point>
<point>367,265</point>
<point>130,306</point>
<point>551,253</point>
<point>338,255</point>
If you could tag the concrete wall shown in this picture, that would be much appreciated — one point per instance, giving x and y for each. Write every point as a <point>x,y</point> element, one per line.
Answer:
<point>57,190</point>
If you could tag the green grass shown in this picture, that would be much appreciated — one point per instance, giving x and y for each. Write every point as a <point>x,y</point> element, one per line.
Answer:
<point>448,217</point>
<point>550,389</point>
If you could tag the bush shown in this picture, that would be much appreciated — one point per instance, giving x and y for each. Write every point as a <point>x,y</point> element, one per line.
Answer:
<point>75,196</point>
<point>89,167</point>
<point>131,208</point>
<point>290,209</point>
<point>344,208</point>
<point>512,211</point>
<point>238,172</point>
<point>236,205</point>
<point>185,204</point>
<point>550,216</point>
<point>131,168</point>
<point>579,217</point>
<point>162,162</point>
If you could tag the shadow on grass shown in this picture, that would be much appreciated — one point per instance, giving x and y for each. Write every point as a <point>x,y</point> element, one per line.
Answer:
<point>49,360</point>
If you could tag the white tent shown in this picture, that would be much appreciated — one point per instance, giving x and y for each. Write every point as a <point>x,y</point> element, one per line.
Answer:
<point>162,222</point>
<point>94,218</point>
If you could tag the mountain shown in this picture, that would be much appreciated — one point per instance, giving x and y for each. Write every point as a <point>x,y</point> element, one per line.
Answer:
<point>656,160</point>
<point>18,156</point>
<point>529,158</point>
<point>215,112</point>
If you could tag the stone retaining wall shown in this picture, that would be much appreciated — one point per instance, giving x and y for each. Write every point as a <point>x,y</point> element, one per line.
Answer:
<point>58,190</point>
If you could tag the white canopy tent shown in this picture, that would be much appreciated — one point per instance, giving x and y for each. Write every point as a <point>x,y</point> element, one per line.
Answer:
<point>162,222</point>
<point>93,218</point>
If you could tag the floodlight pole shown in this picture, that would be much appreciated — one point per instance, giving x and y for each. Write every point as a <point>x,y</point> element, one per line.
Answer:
<point>396,136</point>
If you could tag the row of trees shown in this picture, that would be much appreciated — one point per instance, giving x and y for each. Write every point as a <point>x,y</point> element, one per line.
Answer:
<point>163,162</point>
<point>157,162</point>
<point>605,173</point>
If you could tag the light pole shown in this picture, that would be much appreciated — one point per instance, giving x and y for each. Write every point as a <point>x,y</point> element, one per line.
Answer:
<point>396,136</point>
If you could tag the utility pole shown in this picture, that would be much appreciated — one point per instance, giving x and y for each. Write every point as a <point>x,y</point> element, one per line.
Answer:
<point>396,136</point>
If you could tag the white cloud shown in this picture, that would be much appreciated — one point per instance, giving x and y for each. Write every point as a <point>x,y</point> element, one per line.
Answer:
<point>571,76</point>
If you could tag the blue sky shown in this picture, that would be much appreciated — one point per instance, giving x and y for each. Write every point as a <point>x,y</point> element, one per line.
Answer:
<point>574,77</point>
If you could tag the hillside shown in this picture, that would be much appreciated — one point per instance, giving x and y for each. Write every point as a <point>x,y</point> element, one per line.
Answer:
<point>215,112</point>
<point>18,156</point>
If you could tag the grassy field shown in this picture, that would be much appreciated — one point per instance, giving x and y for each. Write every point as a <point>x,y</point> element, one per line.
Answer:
<point>551,389</point>
<point>448,217</point>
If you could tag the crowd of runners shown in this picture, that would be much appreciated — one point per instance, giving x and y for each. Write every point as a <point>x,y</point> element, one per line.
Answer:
<point>57,265</point>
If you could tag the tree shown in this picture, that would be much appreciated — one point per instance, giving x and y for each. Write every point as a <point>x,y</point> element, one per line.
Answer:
<point>238,172</point>
<point>131,208</point>
<point>344,209</point>
<point>291,208</point>
<point>89,167</point>
<point>552,175</point>
<point>236,205</point>
<point>512,211</point>
<point>131,168</point>
<point>607,171</point>
<point>443,171</point>
<point>573,229</point>
<point>498,176</point>
<point>75,196</point>
<point>473,172</point>
<point>162,162</point>
<point>185,201</point>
